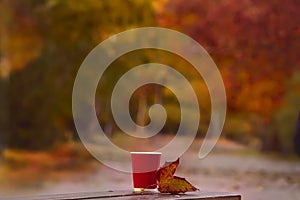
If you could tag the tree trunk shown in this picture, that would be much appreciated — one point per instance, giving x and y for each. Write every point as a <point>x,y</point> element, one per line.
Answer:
<point>142,109</point>
<point>297,137</point>
<point>158,94</point>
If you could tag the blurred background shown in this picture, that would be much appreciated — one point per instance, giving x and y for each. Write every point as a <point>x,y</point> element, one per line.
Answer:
<point>255,45</point>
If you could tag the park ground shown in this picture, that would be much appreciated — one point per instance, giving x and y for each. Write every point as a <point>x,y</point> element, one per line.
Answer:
<point>230,167</point>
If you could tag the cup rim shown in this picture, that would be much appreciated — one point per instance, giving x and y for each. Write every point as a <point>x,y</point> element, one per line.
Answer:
<point>146,152</point>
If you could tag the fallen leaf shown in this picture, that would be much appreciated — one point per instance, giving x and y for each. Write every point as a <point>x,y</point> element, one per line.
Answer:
<point>168,183</point>
<point>168,170</point>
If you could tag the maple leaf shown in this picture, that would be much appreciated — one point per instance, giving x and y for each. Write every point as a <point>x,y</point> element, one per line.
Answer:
<point>168,183</point>
<point>168,170</point>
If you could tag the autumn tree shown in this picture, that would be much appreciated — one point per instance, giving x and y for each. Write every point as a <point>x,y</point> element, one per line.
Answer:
<point>57,36</point>
<point>255,45</point>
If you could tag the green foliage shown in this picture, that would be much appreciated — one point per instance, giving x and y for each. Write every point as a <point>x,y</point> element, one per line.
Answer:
<point>285,118</point>
<point>40,94</point>
<point>238,128</point>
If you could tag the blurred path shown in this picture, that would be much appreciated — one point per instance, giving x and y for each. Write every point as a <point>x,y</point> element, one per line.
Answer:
<point>229,168</point>
<point>255,177</point>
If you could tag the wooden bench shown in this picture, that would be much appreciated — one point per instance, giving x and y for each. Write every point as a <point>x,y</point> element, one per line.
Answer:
<point>129,195</point>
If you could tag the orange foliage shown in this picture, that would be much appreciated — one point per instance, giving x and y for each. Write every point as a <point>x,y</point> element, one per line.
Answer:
<point>254,43</point>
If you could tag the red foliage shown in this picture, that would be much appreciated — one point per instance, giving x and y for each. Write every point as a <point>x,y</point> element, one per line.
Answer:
<point>254,43</point>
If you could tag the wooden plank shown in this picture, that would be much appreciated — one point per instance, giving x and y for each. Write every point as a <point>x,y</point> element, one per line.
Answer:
<point>187,196</point>
<point>129,195</point>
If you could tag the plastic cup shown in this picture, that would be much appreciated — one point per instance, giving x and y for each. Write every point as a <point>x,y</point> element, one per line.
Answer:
<point>144,169</point>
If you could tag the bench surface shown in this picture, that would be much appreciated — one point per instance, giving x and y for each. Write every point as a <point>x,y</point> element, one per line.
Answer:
<point>129,195</point>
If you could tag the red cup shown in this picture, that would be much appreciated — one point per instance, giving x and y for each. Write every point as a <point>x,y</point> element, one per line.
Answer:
<point>144,168</point>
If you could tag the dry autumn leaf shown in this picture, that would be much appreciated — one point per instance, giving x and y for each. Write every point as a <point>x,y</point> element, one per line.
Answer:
<point>168,183</point>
